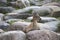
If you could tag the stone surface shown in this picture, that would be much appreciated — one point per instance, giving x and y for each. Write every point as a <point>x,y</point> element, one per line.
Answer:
<point>42,35</point>
<point>1,17</point>
<point>39,2</point>
<point>56,14</point>
<point>1,31</point>
<point>58,35</point>
<point>6,9</point>
<point>4,1</point>
<point>52,26</point>
<point>18,26</point>
<point>25,2</point>
<point>17,15</point>
<point>55,10</point>
<point>13,35</point>
<point>13,20</point>
<point>52,4</point>
<point>43,11</point>
<point>4,25</point>
<point>44,19</point>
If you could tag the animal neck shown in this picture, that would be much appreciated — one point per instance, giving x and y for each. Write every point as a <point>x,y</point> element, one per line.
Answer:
<point>34,23</point>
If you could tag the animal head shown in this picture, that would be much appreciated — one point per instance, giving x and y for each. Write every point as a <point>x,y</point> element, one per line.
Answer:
<point>36,16</point>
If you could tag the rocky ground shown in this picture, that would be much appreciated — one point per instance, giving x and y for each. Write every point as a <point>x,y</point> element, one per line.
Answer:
<point>16,16</point>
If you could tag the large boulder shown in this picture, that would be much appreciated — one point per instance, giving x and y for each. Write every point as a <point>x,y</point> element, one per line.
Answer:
<point>13,20</point>
<point>13,35</point>
<point>18,26</point>
<point>58,35</point>
<point>6,9</point>
<point>25,2</point>
<point>42,35</point>
<point>13,4</point>
<point>4,25</point>
<point>1,17</point>
<point>20,3</point>
<point>17,16</point>
<point>44,19</point>
<point>43,11</point>
<point>4,1</point>
<point>52,26</point>
<point>39,2</point>
<point>1,31</point>
<point>52,4</point>
<point>56,14</point>
<point>27,9</point>
<point>55,10</point>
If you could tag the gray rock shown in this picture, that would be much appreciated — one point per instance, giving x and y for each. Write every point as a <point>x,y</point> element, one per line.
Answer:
<point>58,35</point>
<point>44,19</point>
<point>6,9</point>
<point>56,14</point>
<point>4,1</point>
<point>1,31</point>
<point>12,4</point>
<point>13,35</point>
<point>18,26</point>
<point>52,26</point>
<point>43,11</point>
<point>55,10</point>
<point>39,2</point>
<point>27,9</point>
<point>1,17</point>
<point>20,3</point>
<point>42,35</point>
<point>13,0</point>
<point>52,4</point>
<point>13,20</point>
<point>4,25</point>
<point>25,2</point>
<point>17,16</point>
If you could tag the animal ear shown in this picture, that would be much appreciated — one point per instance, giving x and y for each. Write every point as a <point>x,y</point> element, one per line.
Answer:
<point>35,13</point>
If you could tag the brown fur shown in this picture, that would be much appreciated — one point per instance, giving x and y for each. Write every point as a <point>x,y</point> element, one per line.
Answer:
<point>33,25</point>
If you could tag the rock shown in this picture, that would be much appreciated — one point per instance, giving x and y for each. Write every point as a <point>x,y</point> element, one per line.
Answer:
<point>55,10</point>
<point>1,31</point>
<point>13,4</point>
<point>52,4</point>
<point>39,2</point>
<point>58,35</point>
<point>11,0</point>
<point>3,4</point>
<point>53,26</point>
<point>20,3</point>
<point>4,1</point>
<point>13,35</point>
<point>14,20</point>
<point>42,35</point>
<point>4,25</point>
<point>56,14</point>
<point>17,16</point>
<point>26,10</point>
<point>6,9</point>
<point>43,11</point>
<point>1,17</point>
<point>25,2</point>
<point>35,2</point>
<point>19,26</point>
<point>44,19</point>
